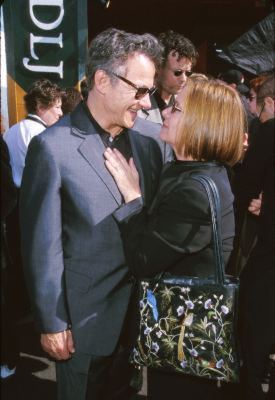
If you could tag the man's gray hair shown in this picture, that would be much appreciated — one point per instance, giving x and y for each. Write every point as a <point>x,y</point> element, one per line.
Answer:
<point>111,49</point>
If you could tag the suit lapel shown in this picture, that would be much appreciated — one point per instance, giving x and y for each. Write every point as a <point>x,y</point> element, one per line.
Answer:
<point>92,149</point>
<point>138,162</point>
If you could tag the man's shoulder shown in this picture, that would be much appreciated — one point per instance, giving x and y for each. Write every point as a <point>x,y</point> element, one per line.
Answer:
<point>61,127</point>
<point>146,145</point>
<point>54,139</point>
<point>152,130</point>
<point>153,114</point>
<point>147,128</point>
<point>146,133</point>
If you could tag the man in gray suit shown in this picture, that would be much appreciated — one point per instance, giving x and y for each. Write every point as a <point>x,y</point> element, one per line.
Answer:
<point>75,270</point>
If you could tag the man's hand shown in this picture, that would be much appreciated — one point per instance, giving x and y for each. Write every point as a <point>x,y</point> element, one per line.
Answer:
<point>255,205</point>
<point>58,345</point>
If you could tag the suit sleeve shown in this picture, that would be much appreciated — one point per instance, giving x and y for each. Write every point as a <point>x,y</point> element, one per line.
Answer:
<point>40,219</point>
<point>180,225</point>
<point>8,188</point>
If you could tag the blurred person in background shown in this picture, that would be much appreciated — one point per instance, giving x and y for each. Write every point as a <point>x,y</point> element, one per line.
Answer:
<point>235,79</point>
<point>43,103</point>
<point>9,348</point>
<point>70,99</point>
<point>256,178</point>
<point>179,57</point>
<point>254,85</point>
<point>246,218</point>
<point>84,89</point>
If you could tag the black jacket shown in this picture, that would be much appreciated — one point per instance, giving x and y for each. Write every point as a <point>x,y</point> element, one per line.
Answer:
<point>257,175</point>
<point>175,234</point>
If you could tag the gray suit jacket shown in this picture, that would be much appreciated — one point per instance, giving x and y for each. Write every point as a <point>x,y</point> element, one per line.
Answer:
<point>152,129</point>
<point>72,250</point>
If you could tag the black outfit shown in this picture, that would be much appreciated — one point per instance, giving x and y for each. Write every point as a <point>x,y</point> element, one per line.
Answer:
<point>246,223</point>
<point>175,235</point>
<point>253,127</point>
<point>9,349</point>
<point>258,277</point>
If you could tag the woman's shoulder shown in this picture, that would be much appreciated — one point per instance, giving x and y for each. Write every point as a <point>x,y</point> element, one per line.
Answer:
<point>183,173</point>
<point>179,185</point>
<point>182,192</point>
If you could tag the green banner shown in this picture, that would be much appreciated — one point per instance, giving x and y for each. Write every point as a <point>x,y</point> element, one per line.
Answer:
<point>45,38</point>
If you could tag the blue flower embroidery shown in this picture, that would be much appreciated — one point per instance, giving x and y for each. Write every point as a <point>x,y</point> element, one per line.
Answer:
<point>208,304</point>
<point>189,304</point>
<point>183,364</point>
<point>180,310</point>
<point>219,364</point>
<point>193,352</point>
<point>152,303</point>
<point>155,347</point>
<point>225,309</point>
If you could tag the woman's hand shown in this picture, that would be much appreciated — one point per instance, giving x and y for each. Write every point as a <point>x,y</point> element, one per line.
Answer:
<point>255,205</point>
<point>125,174</point>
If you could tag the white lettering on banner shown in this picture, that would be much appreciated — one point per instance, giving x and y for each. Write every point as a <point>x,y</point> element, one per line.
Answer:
<point>45,40</point>
<point>43,25</point>
<point>58,69</point>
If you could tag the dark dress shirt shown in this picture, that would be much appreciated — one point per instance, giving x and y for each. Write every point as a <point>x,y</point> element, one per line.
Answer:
<point>120,142</point>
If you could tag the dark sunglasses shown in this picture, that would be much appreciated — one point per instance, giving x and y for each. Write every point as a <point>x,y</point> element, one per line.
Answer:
<point>141,91</point>
<point>179,72</point>
<point>175,107</point>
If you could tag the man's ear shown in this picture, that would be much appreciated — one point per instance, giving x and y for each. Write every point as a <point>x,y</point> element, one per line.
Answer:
<point>101,81</point>
<point>269,102</point>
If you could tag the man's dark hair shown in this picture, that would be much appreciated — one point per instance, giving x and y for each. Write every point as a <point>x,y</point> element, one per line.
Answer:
<point>267,89</point>
<point>232,76</point>
<point>44,93</point>
<point>84,89</point>
<point>111,49</point>
<point>177,43</point>
<point>70,99</point>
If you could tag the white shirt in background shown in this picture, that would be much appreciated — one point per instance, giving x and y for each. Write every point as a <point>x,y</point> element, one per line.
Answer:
<point>18,138</point>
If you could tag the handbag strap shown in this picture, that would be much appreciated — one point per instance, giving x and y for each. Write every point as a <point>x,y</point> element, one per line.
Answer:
<point>215,209</point>
<point>38,120</point>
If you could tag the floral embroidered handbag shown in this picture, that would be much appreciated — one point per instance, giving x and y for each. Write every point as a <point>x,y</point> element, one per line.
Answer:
<point>187,324</point>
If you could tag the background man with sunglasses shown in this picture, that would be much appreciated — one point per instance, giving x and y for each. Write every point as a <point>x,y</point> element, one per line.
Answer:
<point>74,263</point>
<point>179,56</point>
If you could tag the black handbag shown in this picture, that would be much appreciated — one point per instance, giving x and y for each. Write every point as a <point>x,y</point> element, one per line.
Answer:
<point>187,324</point>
